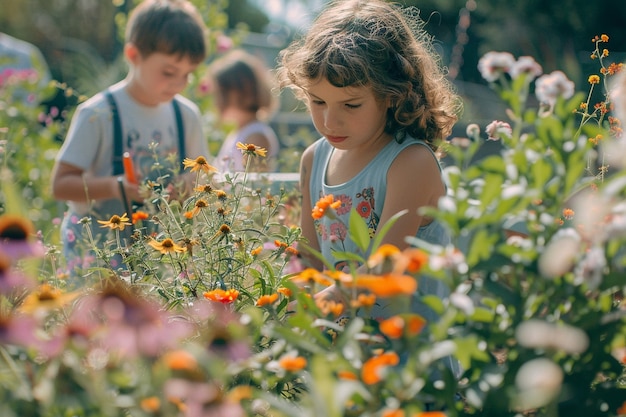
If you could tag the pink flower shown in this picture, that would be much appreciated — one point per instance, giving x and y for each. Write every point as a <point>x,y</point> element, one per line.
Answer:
<point>224,43</point>
<point>493,64</point>
<point>526,65</point>
<point>496,129</point>
<point>548,88</point>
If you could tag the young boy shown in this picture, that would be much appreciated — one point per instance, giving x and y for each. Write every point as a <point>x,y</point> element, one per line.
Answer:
<point>165,42</point>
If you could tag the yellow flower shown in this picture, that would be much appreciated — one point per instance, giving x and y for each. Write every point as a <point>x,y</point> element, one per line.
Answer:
<point>199,164</point>
<point>205,188</point>
<point>46,297</point>
<point>200,204</point>
<point>594,79</point>
<point>167,245</point>
<point>251,149</point>
<point>116,222</point>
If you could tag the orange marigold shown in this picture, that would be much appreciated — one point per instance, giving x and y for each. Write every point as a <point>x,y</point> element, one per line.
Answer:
<point>322,205</point>
<point>267,299</point>
<point>292,363</point>
<point>374,368</point>
<point>222,296</point>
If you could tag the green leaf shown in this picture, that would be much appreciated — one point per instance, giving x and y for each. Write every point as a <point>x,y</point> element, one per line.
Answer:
<point>385,228</point>
<point>359,232</point>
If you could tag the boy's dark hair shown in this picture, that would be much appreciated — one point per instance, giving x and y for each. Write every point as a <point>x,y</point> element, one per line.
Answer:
<point>169,27</point>
<point>245,75</point>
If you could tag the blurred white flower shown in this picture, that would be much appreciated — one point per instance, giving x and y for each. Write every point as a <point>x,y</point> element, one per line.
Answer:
<point>560,254</point>
<point>526,65</point>
<point>538,382</point>
<point>473,131</point>
<point>493,64</point>
<point>549,87</point>
<point>496,129</point>
<point>591,269</point>
<point>538,334</point>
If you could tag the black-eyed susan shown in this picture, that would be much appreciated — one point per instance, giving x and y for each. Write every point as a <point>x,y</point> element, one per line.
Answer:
<point>46,298</point>
<point>166,246</point>
<point>116,222</point>
<point>251,149</point>
<point>204,188</point>
<point>199,206</point>
<point>199,164</point>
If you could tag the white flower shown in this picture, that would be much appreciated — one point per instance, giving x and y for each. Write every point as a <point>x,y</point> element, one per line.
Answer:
<point>496,129</point>
<point>560,254</point>
<point>526,65</point>
<point>538,334</point>
<point>549,87</point>
<point>493,64</point>
<point>538,382</point>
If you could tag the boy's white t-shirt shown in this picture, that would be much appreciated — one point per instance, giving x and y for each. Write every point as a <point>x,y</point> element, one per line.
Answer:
<point>89,142</point>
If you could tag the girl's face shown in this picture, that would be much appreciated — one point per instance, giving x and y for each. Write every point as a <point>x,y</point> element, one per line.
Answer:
<point>158,77</point>
<point>348,117</point>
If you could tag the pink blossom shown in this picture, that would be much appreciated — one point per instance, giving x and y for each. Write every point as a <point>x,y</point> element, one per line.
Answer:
<point>493,64</point>
<point>526,65</point>
<point>224,43</point>
<point>496,129</point>
<point>549,87</point>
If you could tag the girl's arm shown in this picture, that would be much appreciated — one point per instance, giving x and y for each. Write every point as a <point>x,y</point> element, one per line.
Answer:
<point>413,181</point>
<point>306,221</point>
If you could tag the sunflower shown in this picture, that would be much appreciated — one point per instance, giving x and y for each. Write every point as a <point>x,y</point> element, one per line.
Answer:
<point>251,149</point>
<point>166,246</point>
<point>116,222</point>
<point>199,164</point>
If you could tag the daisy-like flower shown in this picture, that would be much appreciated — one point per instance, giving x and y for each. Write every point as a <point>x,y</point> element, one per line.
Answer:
<point>116,222</point>
<point>493,64</point>
<point>200,204</point>
<point>549,87</point>
<point>205,188</point>
<point>526,65</point>
<point>46,298</point>
<point>222,296</point>
<point>16,233</point>
<point>251,149</point>
<point>166,246</point>
<point>322,205</point>
<point>199,164</point>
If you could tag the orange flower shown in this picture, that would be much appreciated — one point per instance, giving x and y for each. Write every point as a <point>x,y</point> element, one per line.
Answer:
<point>431,414</point>
<point>180,360</point>
<point>329,307</point>
<point>310,276</point>
<point>323,204</point>
<point>568,213</point>
<point>292,363</point>
<point>622,409</point>
<point>364,300</point>
<point>222,296</point>
<point>199,164</point>
<point>15,228</point>
<point>284,291</point>
<point>348,375</point>
<point>374,367</point>
<point>414,259</point>
<point>256,251</point>
<point>384,253</point>
<point>267,300</point>
<point>387,285</point>
<point>393,413</point>
<point>395,327</point>
<point>139,215</point>
<point>150,404</point>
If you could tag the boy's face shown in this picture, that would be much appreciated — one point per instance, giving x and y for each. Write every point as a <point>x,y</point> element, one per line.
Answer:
<point>158,77</point>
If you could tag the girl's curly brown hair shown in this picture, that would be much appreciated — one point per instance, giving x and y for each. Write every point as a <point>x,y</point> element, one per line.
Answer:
<point>383,46</point>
